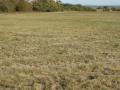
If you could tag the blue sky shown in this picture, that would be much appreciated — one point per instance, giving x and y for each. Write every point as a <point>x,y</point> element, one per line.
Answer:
<point>93,2</point>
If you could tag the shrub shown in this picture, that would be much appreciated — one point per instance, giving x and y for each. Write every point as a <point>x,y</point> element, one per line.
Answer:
<point>23,5</point>
<point>39,5</point>
<point>45,5</point>
<point>15,5</point>
<point>6,6</point>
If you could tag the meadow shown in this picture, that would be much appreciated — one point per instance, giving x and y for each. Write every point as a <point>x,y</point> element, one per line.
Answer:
<point>60,51</point>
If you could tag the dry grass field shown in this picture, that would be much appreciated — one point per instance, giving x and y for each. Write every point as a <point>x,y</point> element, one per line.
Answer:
<point>60,51</point>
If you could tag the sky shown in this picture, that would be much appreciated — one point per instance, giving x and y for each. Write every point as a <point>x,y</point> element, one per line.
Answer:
<point>93,2</point>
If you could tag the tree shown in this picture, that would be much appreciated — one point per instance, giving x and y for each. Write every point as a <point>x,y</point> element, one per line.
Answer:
<point>6,6</point>
<point>105,8</point>
<point>45,5</point>
<point>15,5</point>
<point>77,7</point>
<point>23,5</point>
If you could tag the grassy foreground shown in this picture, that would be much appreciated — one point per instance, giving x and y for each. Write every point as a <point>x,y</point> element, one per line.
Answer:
<point>60,51</point>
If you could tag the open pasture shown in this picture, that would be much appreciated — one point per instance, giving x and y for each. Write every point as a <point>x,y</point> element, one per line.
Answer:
<point>60,51</point>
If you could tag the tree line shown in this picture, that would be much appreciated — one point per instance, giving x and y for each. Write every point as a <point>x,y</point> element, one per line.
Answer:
<point>76,7</point>
<point>39,5</point>
<point>108,8</point>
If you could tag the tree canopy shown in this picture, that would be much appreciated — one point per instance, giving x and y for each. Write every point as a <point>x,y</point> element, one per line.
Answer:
<point>39,5</point>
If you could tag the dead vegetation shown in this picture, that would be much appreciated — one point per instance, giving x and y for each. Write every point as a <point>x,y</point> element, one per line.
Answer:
<point>60,51</point>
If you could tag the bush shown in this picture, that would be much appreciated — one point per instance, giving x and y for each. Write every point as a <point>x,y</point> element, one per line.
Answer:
<point>6,6</point>
<point>115,9</point>
<point>15,5</point>
<point>23,5</point>
<point>46,5</point>
<point>39,5</point>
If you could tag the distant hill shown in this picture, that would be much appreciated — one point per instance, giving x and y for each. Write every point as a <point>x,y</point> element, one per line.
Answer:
<point>94,6</point>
